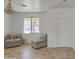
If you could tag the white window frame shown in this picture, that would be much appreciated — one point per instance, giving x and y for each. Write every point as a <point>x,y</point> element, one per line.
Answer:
<point>31,25</point>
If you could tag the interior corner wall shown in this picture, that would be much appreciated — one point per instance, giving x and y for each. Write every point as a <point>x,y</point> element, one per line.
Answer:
<point>7,23</point>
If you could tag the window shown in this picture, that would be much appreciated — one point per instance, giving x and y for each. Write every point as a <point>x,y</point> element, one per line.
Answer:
<point>31,25</point>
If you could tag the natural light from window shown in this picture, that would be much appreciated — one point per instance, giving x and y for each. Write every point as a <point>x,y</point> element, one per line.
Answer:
<point>31,25</point>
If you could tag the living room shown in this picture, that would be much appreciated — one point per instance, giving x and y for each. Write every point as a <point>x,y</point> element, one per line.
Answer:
<point>55,20</point>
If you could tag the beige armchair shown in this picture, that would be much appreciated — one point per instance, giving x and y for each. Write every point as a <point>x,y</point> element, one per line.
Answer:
<point>39,42</point>
<point>12,40</point>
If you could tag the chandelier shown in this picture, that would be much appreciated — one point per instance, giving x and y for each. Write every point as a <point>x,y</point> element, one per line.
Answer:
<point>8,9</point>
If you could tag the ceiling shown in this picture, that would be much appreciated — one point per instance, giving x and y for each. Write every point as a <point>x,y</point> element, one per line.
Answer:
<point>39,5</point>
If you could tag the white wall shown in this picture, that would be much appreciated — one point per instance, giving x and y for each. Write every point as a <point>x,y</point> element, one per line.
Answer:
<point>52,16</point>
<point>18,24</point>
<point>48,24</point>
<point>7,24</point>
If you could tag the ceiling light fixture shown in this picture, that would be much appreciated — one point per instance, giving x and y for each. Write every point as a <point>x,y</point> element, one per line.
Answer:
<point>24,5</point>
<point>64,0</point>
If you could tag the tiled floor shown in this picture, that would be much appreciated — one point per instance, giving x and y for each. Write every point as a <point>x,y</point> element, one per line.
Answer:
<point>27,52</point>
